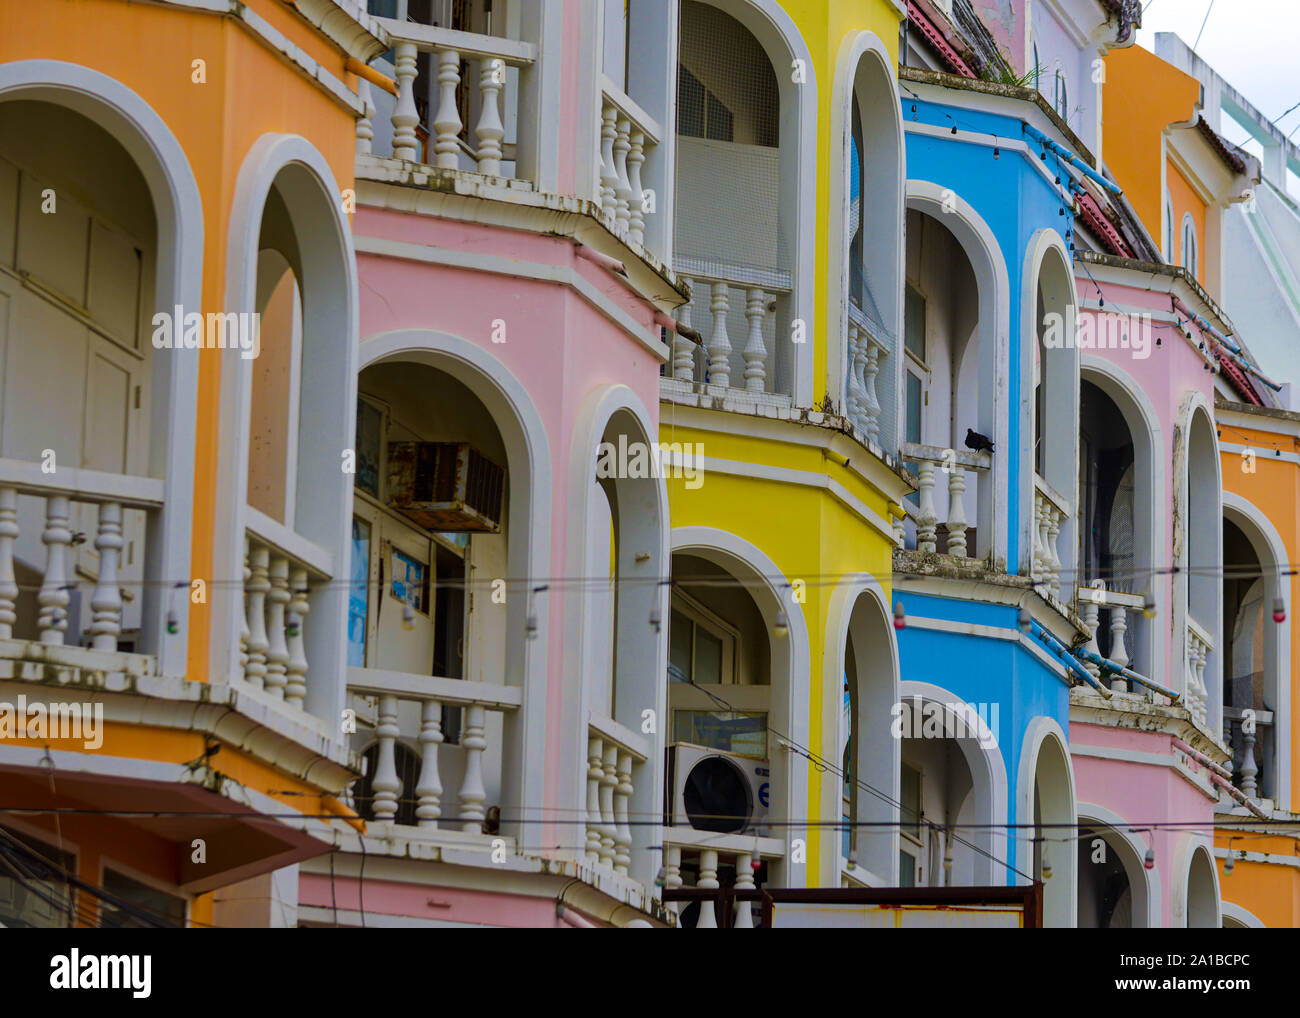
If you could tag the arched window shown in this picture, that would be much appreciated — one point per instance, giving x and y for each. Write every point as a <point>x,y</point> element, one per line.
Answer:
<point>1169,231</point>
<point>1061,99</point>
<point>1037,70</point>
<point>1189,244</point>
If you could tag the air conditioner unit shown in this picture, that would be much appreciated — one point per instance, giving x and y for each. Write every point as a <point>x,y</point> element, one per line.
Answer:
<point>713,790</point>
<point>445,486</point>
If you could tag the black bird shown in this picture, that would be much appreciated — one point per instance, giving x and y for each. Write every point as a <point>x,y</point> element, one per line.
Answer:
<point>978,442</point>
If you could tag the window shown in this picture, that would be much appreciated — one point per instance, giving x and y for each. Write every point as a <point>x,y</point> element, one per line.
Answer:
<point>370,445</point>
<point>701,647</point>
<point>741,732</point>
<point>359,593</point>
<point>910,801</point>
<point>1037,70</point>
<point>1169,231</point>
<point>1189,244</point>
<point>914,318</point>
<point>906,869</point>
<point>39,900</point>
<point>700,113</point>
<point>158,906</point>
<point>1061,100</point>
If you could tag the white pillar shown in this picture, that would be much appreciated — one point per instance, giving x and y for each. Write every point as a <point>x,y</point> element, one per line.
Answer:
<point>106,601</point>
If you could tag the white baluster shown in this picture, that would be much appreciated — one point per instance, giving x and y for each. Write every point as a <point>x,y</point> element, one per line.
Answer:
<point>8,582</point>
<point>957,511</point>
<point>1036,536</point>
<point>719,344</point>
<point>257,586</point>
<point>608,174</point>
<point>708,881</point>
<point>683,348</point>
<point>1249,769</point>
<point>1044,550</point>
<point>295,688</point>
<point>1202,694</point>
<point>636,211</point>
<point>853,395</point>
<point>489,130</point>
<point>472,792</point>
<point>622,186</point>
<point>744,882</point>
<point>755,352</point>
<point>1053,559</point>
<point>595,773</point>
<point>53,597</point>
<point>405,117</point>
<point>365,122</point>
<point>277,651</point>
<point>1091,622</point>
<point>1118,654</point>
<point>926,519</point>
<point>622,831</point>
<point>106,601</point>
<point>447,123</point>
<point>870,402</point>
<point>429,788</point>
<point>608,828</point>
<point>243,615</point>
<point>673,873</point>
<point>386,785</point>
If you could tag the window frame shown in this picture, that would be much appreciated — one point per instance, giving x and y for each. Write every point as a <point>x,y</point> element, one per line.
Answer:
<point>729,635</point>
<point>1189,230</point>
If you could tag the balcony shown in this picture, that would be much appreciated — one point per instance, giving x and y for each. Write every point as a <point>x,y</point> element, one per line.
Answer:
<point>925,518</point>
<point>1200,645</point>
<point>1124,615</point>
<point>1051,511</point>
<point>867,352</point>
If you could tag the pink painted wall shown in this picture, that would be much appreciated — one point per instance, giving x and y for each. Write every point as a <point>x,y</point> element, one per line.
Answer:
<point>422,901</point>
<point>1147,793</point>
<point>557,345</point>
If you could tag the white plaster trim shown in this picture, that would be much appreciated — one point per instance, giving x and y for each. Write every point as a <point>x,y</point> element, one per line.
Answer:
<point>1003,144</point>
<point>1121,828</point>
<point>1189,846</point>
<point>1231,911</point>
<point>1037,732</point>
<point>1262,453</point>
<point>993,633</point>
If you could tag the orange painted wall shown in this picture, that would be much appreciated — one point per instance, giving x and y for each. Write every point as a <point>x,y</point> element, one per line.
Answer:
<point>1141,96</point>
<point>1269,892</point>
<point>250,90</point>
<point>1185,200</point>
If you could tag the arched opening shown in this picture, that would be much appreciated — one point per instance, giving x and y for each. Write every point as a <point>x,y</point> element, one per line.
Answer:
<point>868,757</point>
<point>1115,546</point>
<point>1203,535</point>
<point>1053,854</point>
<point>1253,645</point>
<point>737,204</point>
<point>1055,408</point>
<point>1202,892</point>
<point>1112,883</point>
<point>98,229</point>
<point>949,378</point>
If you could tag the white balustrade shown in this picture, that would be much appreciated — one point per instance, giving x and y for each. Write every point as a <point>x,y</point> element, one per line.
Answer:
<point>1199,648</point>
<point>683,348</point>
<point>933,463</point>
<point>719,345</point>
<point>1122,613</point>
<point>432,693</point>
<point>862,403</point>
<point>39,517</point>
<point>612,764</point>
<point>485,148</point>
<point>727,300</point>
<point>708,849</point>
<point>627,137</point>
<point>1051,510</point>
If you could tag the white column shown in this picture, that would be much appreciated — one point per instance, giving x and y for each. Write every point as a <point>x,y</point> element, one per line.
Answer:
<point>956,511</point>
<point>1118,626</point>
<point>472,792</point>
<point>673,873</point>
<point>447,123</point>
<point>53,596</point>
<point>926,519</point>
<point>636,211</point>
<point>683,348</point>
<point>429,788</point>
<point>405,116</point>
<point>608,175</point>
<point>386,785</point>
<point>755,352</point>
<point>744,882</point>
<point>8,582</point>
<point>277,652</point>
<point>489,131</point>
<point>719,344</point>
<point>295,688</point>
<point>608,829</point>
<point>708,881</point>
<point>1248,767</point>
<point>622,186</point>
<point>595,772</point>
<point>622,830</point>
<point>257,586</point>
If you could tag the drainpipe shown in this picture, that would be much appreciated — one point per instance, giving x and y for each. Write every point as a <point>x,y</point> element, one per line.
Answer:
<point>1063,654</point>
<point>1234,351</point>
<point>1221,777</point>
<point>1202,759</point>
<point>371,75</point>
<point>1071,158</point>
<point>1240,796</point>
<point>672,325</point>
<point>1116,669</point>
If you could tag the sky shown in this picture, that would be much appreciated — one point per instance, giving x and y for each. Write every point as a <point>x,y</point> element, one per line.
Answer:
<point>1253,44</point>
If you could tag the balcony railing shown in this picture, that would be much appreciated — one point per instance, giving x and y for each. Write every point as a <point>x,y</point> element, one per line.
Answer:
<point>67,500</point>
<point>1051,510</point>
<point>742,365</point>
<point>866,351</point>
<point>1199,647</point>
<point>432,693</point>
<point>627,136</point>
<point>615,757</point>
<point>483,149</point>
<point>1093,600</point>
<point>279,567</point>
<point>1259,729</point>
<point>742,849</point>
<point>954,463</point>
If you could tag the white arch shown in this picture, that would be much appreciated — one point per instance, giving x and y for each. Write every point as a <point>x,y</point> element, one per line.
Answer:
<point>985,254</point>
<point>528,536</point>
<point>844,600</point>
<point>1060,908</point>
<point>329,370</point>
<point>737,555</point>
<point>1144,883</point>
<point>178,212</point>
<point>1248,517</point>
<point>1151,534</point>
<point>1063,449</point>
<point>984,762</point>
<point>1195,851</point>
<point>1241,916</point>
<point>781,39</point>
<point>859,48</point>
<point>638,531</point>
